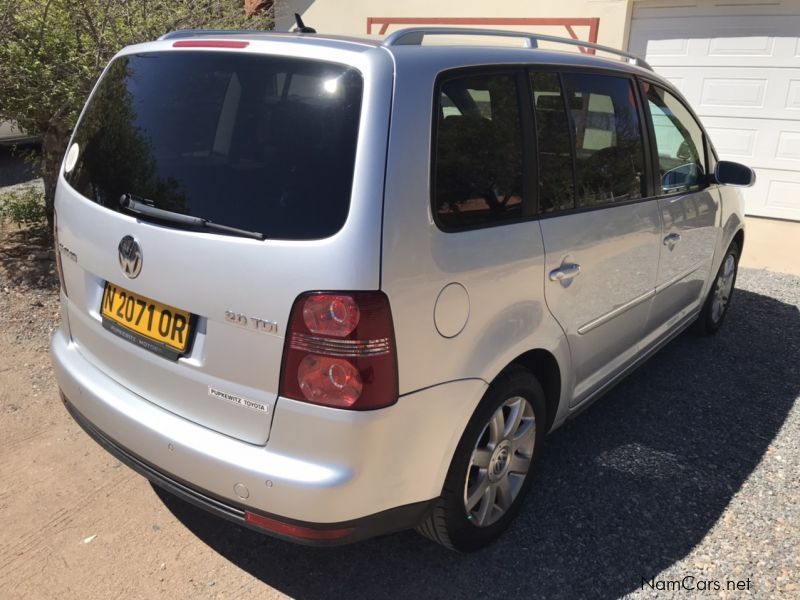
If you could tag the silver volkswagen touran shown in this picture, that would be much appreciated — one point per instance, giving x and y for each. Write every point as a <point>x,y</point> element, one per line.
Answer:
<point>330,288</point>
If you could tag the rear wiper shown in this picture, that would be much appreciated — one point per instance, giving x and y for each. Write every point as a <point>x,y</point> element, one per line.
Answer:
<point>145,207</point>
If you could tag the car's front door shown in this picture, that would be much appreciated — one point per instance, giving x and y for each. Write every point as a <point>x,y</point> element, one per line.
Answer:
<point>689,211</point>
<point>601,232</point>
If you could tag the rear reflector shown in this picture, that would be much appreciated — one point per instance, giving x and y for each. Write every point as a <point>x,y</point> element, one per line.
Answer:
<point>210,44</point>
<point>295,531</point>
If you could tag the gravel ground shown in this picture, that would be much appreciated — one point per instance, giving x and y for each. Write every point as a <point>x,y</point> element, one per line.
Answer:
<point>757,536</point>
<point>686,472</point>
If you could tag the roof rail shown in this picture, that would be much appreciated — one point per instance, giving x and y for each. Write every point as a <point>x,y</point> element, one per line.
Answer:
<point>413,36</point>
<point>190,33</point>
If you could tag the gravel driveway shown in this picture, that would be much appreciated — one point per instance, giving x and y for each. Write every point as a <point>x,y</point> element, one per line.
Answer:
<point>687,471</point>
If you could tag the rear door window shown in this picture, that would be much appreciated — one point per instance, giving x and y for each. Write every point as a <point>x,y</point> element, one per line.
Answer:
<point>478,157</point>
<point>260,143</point>
<point>607,134</point>
<point>554,143</point>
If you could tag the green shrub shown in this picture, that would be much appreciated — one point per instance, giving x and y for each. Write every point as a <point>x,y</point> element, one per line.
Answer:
<point>23,207</point>
<point>51,53</point>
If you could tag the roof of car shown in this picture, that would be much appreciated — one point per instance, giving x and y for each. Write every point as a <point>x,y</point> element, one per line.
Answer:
<point>407,43</point>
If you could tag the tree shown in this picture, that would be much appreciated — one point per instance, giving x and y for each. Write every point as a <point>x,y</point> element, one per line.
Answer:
<point>53,51</point>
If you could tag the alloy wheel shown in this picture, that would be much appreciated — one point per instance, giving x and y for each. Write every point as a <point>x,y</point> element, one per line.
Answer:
<point>723,288</point>
<point>500,462</point>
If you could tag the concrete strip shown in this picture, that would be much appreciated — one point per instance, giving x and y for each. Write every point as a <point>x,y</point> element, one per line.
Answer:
<point>772,244</point>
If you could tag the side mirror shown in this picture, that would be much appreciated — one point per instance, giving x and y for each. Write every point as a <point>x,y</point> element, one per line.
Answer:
<point>733,173</point>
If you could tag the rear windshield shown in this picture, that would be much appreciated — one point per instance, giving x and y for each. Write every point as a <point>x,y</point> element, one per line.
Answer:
<point>260,143</point>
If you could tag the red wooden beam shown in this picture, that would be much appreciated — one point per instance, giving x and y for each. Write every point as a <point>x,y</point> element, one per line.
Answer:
<point>593,23</point>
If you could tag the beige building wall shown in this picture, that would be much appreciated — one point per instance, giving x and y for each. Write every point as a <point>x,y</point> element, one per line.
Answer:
<point>350,16</point>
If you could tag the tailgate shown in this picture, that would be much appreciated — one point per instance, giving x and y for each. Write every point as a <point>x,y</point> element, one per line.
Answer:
<point>274,145</point>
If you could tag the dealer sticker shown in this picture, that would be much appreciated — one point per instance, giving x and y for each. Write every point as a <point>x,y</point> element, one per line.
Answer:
<point>233,398</point>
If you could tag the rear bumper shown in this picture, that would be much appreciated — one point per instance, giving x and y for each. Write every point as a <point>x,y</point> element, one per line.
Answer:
<point>322,466</point>
<point>395,519</point>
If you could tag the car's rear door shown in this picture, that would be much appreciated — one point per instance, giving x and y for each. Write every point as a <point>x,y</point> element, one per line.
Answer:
<point>601,229</point>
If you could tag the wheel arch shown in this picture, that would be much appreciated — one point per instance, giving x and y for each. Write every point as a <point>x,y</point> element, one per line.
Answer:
<point>544,366</point>
<point>739,239</point>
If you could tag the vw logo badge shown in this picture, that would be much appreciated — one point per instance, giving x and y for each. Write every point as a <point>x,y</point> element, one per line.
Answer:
<point>130,257</point>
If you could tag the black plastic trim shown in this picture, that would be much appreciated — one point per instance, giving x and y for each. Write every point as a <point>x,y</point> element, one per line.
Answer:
<point>530,150</point>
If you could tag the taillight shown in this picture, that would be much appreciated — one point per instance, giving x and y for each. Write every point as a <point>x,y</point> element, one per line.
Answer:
<point>59,270</point>
<point>340,351</point>
<point>331,314</point>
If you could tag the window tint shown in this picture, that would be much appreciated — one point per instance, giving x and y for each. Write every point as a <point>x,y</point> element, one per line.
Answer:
<point>478,156</point>
<point>259,143</point>
<point>681,154</point>
<point>609,153</point>
<point>556,182</point>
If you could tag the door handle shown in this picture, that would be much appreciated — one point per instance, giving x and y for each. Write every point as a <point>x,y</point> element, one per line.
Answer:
<point>672,239</point>
<point>565,273</point>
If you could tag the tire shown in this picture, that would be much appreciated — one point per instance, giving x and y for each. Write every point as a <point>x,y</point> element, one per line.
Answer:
<point>719,297</point>
<point>506,448</point>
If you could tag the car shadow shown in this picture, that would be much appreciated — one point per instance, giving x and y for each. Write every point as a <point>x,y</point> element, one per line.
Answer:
<point>621,493</point>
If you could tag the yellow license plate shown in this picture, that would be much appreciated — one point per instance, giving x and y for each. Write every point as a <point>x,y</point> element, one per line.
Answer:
<point>157,327</point>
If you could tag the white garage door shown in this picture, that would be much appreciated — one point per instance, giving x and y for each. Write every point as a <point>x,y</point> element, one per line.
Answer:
<point>738,64</point>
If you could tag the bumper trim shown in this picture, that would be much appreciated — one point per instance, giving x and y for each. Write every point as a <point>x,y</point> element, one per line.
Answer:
<point>388,521</point>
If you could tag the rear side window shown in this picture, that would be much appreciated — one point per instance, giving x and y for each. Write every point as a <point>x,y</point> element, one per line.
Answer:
<point>679,139</point>
<point>609,152</point>
<point>260,143</point>
<point>478,154</point>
